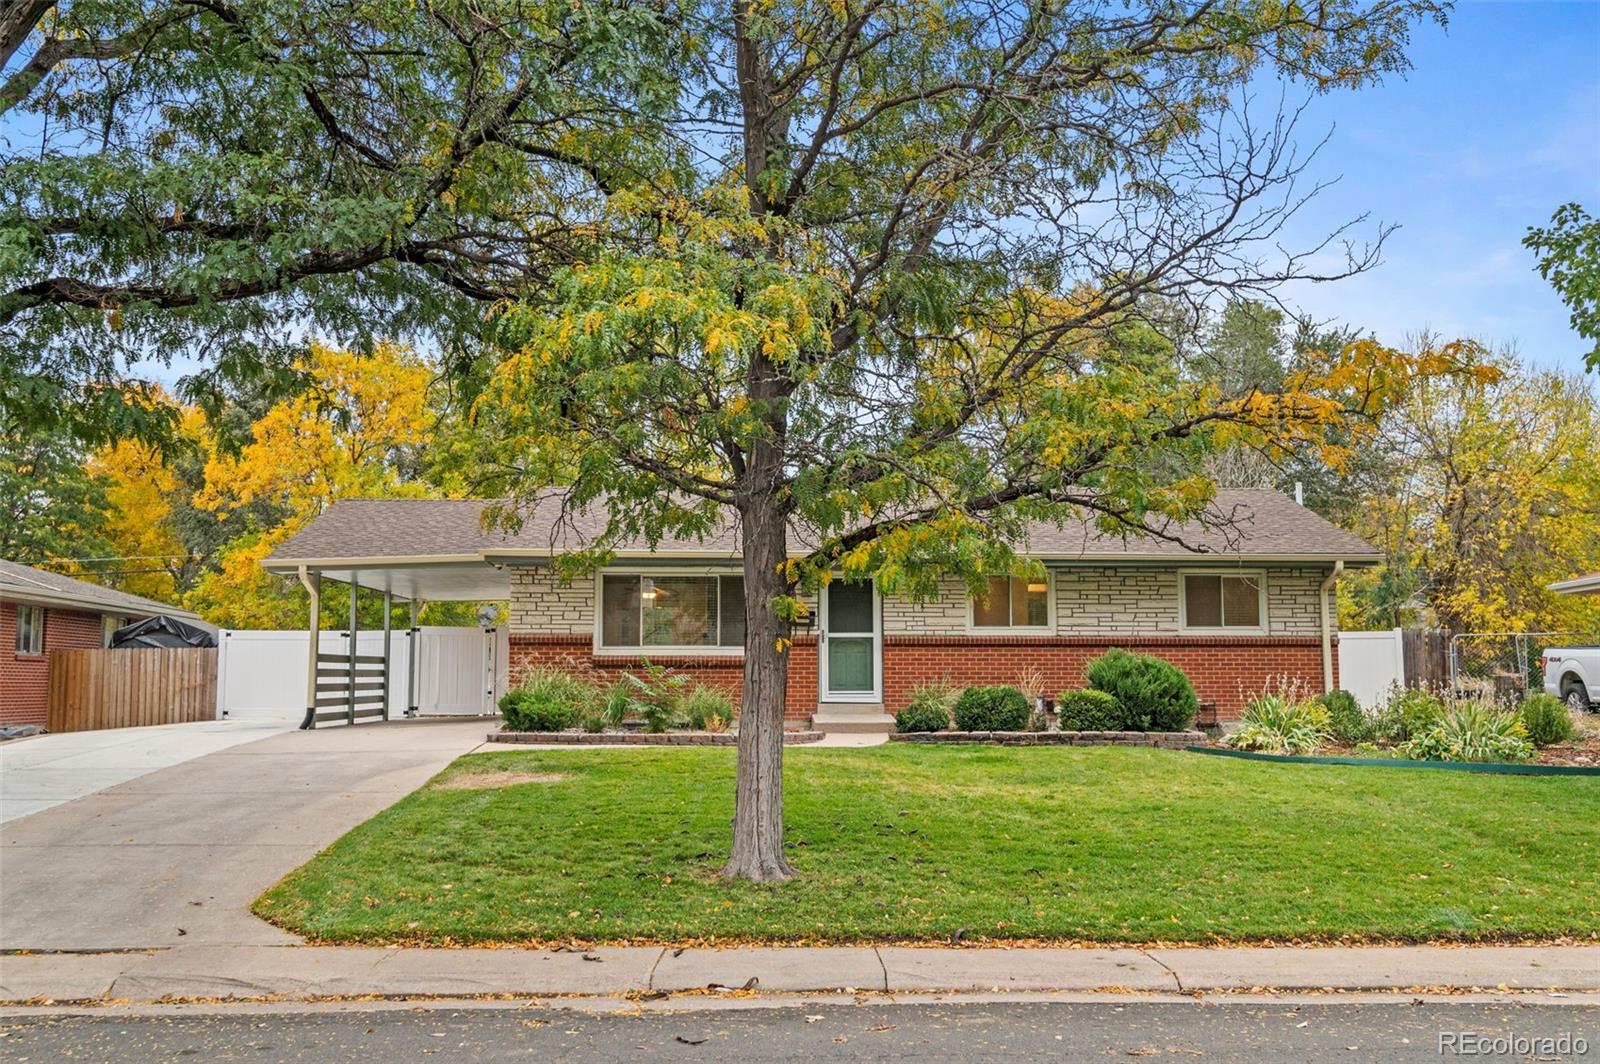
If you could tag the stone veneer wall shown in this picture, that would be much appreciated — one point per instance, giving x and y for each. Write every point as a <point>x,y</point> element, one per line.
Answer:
<point>1096,608</point>
<point>1116,600</point>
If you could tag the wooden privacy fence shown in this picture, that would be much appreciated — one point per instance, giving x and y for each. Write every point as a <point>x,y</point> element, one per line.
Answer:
<point>91,689</point>
<point>1427,658</point>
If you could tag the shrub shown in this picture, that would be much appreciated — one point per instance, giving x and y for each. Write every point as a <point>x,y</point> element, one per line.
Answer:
<point>1274,724</point>
<point>1347,721</point>
<point>1155,695</point>
<point>655,696</point>
<point>1089,710</point>
<point>1406,715</point>
<point>593,722</point>
<point>997,708</point>
<point>1470,731</point>
<point>921,717</point>
<point>1546,719</point>
<point>928,710</point>
<point>706,708</point>
<point>547,700</point>
<point>536,711</point>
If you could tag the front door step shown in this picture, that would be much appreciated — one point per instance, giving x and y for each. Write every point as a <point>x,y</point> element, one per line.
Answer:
<point>852,717</point>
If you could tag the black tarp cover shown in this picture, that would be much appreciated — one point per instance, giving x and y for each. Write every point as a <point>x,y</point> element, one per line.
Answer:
<point>160,632</point>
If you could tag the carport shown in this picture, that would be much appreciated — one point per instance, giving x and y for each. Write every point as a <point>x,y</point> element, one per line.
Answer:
<point>393,549</point>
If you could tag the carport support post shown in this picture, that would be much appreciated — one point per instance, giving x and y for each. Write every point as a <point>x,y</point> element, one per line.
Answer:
<point>388,605</point>
<point>355,588</point>
<point>313,586</point>
<point>415,635</point>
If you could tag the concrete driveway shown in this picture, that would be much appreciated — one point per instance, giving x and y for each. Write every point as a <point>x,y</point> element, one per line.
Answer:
<point>48,770</point>
<point>176,856</point>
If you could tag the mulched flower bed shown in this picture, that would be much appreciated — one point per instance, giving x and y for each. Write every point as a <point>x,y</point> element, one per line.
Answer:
<point>1166,740</point>
<point>638,738</point>
<point>1583,751</point>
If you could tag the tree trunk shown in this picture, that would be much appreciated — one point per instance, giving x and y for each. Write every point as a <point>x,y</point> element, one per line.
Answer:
<point>758,796</point>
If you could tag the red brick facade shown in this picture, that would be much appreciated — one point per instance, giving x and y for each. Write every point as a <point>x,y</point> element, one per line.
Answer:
<point>1225,670</point>
<point>576,654</point>
<point>25,678</point>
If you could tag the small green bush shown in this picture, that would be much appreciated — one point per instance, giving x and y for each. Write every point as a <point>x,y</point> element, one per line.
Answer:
<point>922,717</point>
<point>1546,719</point>
<point>547,700</point>
<point>996,708</point>
<point>1155,695</point>
<point>1406,715</point>
<point>594,722</point>
<point>1276,725</point>
<point>706,708</point>
<point>1089,710</point>
<point>1347,721</point>
<point>538,711</point>
<point>928,710</point>
<point>1470,731</point>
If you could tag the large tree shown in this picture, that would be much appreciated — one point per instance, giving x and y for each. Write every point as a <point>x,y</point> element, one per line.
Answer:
<point>1481,491</point>
<point>871,279</point>
<point>1568,254</point>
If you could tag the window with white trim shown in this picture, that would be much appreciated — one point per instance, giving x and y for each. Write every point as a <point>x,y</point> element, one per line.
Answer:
<point>1017,602</point>
<point>108,627</point>
<point>1224,602</point>
<point>30,629</point>
<point>676,611</point>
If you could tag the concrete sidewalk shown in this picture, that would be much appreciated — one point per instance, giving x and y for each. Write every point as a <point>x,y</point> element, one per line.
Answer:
<point>305,972</point>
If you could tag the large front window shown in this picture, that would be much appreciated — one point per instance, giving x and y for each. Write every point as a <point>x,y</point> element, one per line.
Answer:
<point>1013,602</point>
<point>638,610</point>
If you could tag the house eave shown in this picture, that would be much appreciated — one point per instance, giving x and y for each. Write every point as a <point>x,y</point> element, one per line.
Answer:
<point>81,605</point>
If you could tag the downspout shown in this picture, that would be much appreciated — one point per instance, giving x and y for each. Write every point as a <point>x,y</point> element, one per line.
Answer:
<point>1327,629</point>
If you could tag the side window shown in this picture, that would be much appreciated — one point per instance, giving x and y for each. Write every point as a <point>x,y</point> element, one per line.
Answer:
<point>30,630</point>
<point>1222,601</point>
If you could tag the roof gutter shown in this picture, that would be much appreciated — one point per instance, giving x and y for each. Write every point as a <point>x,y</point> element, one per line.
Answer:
<point>1327,628</point>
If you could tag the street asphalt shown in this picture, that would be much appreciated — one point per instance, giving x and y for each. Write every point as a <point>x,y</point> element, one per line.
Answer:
<point>1285,1032</point>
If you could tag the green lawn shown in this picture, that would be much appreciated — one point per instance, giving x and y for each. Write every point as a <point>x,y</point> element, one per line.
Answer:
<point>907,843</point>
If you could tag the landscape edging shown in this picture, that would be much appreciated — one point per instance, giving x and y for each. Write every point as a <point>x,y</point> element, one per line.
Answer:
<point>790,738</point>
<point>1165,740</point>
<point>1505,767</point>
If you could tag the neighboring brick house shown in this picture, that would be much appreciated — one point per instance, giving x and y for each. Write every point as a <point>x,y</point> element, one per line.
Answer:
<point>41,612</point>
<point>1253,605</point>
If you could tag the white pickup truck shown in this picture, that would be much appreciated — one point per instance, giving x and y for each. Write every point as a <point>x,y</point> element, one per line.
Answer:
<point>1572,674</point>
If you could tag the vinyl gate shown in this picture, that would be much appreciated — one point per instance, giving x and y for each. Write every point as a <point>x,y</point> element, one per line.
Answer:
<point>262,674</point>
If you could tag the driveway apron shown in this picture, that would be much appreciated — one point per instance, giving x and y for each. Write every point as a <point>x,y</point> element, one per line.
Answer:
<point>176,857</point>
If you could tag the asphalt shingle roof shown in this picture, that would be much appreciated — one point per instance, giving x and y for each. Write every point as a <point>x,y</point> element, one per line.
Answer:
<point>24,581</point>
<point>1256,524</point>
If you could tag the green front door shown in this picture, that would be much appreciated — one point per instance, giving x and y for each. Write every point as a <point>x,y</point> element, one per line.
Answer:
<point>850,621</point>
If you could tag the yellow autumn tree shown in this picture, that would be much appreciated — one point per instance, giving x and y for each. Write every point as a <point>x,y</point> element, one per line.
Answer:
<point>140,488</point>
<point>356,432</point>
<point>1485,488</point>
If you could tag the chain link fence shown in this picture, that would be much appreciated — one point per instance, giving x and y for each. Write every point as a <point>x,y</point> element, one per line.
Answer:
<point>1504,667</point>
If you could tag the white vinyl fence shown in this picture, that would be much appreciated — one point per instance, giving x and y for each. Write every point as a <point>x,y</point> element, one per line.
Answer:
<point>1370,663</point>
<point>261,675</point>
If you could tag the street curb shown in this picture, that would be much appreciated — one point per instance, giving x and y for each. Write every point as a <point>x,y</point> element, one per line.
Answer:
<point>234,973</point>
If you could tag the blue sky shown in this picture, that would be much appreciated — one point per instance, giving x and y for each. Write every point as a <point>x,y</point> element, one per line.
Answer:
<point>1497,124</point>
